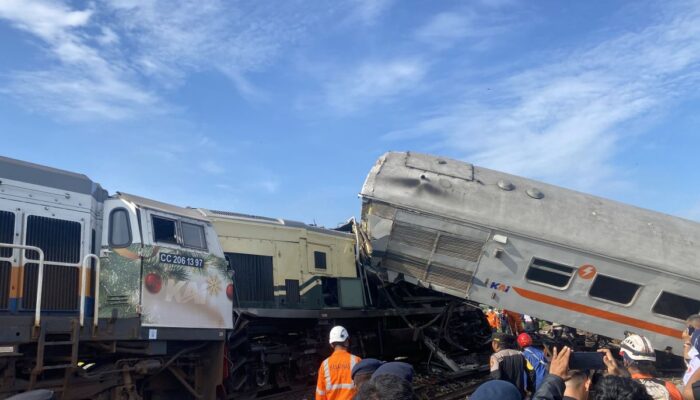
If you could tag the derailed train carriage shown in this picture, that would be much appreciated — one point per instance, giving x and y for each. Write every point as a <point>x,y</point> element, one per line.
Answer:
<point>510,242</point>
<point>125,297</point>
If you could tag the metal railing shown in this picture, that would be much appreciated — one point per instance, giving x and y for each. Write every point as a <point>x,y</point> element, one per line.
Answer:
<point>40,277</point>
<point>84,267</point>
<point>96,302</point>
<point>83,272</point>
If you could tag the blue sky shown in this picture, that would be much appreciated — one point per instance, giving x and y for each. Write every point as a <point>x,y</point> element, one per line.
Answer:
<point>280,108</point>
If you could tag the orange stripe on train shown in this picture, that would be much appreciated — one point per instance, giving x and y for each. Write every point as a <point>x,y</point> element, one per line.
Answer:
<point>596,312</point>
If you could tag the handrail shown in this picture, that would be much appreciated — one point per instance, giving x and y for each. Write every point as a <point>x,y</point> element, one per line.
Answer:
<point>40,279</point>
<point>96,306</point>
<point>84,268</point>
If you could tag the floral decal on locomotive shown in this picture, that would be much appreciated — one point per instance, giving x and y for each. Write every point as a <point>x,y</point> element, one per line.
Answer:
<point>179,288</point>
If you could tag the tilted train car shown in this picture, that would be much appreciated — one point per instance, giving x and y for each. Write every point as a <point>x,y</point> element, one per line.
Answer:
<point>498,239</point>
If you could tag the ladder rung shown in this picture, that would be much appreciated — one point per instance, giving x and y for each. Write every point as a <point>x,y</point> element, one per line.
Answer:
<point>60,343</point>
<point>57,366</point>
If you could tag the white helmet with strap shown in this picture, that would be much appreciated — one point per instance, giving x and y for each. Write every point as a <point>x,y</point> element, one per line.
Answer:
<point>338,335</point>
<point>638,348</point>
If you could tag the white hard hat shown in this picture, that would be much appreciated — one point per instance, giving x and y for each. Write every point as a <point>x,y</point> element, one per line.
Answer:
<point>638,348</point>
<point>338,335</point>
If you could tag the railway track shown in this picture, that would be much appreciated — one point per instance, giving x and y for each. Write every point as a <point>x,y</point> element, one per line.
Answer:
<point>449,386</point>
<point>427,386</point>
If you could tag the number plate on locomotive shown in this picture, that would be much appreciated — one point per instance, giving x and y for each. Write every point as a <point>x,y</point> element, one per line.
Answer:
<point>169,258</point>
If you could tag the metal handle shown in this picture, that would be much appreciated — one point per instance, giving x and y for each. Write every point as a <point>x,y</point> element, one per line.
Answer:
<point>83,269</point>
<point>40,278</point>
<point>96,307</point>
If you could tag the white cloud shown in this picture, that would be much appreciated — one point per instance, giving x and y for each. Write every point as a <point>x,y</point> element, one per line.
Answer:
<point>116,59</point>
<point>84,84</point>
<point>479,23</point>
<point>445,28</point>
<point>268,185</point>
<point>369,11</point>
<point>212,167</point>
<point>372,82</point>
<point>48,20</point>
<point>563,119</point>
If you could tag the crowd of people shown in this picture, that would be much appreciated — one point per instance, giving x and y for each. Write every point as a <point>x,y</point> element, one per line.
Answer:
<point>519,369</point>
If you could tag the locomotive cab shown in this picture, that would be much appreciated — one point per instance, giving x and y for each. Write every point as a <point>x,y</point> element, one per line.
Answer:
<point>163,264</point>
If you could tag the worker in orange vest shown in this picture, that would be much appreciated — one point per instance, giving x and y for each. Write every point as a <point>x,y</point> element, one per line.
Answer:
<point>493,319</point>
<point>335,374</point>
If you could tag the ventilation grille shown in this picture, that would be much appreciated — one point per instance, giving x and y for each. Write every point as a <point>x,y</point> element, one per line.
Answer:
<point>449,277</point>
<point>292,289</point>
<point>413,236</point>
<point>461,248</point>
<point>117,299</point>
<point>5,269</point>
<point>253,279</point>
<point>60,288</point>
<point>7,231</point>
<point>448,245</point>
<point>441,275</point>
<point>406,265</point>
<point>60,241</point>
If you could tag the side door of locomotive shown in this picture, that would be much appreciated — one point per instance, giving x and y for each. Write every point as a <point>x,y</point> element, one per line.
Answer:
<point>120,260</point>
<point>184,279</point>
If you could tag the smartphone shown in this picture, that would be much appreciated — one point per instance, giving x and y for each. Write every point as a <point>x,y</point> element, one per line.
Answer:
<point>586,360</point>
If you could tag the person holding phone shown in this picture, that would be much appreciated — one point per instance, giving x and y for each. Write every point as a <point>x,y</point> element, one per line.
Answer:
<point>611,387</point>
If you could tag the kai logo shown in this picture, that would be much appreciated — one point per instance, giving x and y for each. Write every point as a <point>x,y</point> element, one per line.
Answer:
<point>186,292</point>
<point>500,287</point>
<point>587,271</point>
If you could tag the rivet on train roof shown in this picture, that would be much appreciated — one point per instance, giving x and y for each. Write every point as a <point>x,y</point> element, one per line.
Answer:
<point>535,193</point>
<point>505,185</point>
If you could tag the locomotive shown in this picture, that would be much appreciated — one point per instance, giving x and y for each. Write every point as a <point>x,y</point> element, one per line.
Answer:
<point>511,242</point>
<point>123,297</point>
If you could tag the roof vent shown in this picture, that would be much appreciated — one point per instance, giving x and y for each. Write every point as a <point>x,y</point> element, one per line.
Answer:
<point>535,193</point>
<point>505,185</point>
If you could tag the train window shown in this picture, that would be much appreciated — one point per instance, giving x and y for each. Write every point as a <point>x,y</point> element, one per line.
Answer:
<point>549,273</point>
<point>675,306</point>
<point>164,230</point>
<point>119,228</point>
<point>319,260</point>
<point>193,236</point>
<point>613,289</point>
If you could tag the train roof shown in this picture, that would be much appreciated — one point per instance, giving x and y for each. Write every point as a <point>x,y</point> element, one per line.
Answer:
<point>228,215</point>
<point>461,191</point>
<point>188,212</point>
<point>42,175</point>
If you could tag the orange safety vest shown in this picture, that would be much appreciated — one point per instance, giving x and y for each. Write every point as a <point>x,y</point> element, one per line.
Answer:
<point>655,387</point>
<point>335,378</point>
<point>493,319</point>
